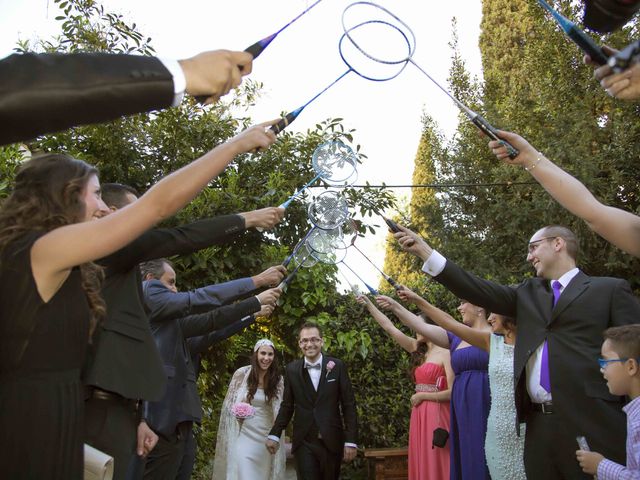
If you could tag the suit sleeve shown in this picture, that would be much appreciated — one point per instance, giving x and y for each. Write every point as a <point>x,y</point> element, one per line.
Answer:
<point>625,308</point>
<point>286,407</point>
<point>166,242</point>
<point>221,317</point>
<point>348,404</point>
<point>483,293</point>
<point>166,305</point>
<point>48,92</point>
<point>198,345</point>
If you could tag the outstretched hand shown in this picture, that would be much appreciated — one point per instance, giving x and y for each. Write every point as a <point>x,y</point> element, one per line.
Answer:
<point>407,295</point>
<point>624,85</point>
<point>264,218</point>
<point>271,277</point>
<point>213,74</point>
<point>269,297</point>
<point>527,157</point>
<point>386,303</point>
<point>412,242</point>
<point>254,138</point>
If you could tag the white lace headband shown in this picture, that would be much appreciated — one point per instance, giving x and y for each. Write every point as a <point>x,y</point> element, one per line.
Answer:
<point>262,343</point>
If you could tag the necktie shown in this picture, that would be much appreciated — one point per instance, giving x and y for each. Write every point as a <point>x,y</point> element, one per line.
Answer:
<point>545,381</point>
<point>310,366</point>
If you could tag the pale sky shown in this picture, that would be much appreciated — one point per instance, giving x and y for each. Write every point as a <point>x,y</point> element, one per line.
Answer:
<point>303,60</point>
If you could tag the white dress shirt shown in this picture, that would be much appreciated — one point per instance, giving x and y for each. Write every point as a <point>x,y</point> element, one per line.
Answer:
<point>536,392</point>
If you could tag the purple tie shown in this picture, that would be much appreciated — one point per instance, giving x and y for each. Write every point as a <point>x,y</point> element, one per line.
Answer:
<point>545,381</point>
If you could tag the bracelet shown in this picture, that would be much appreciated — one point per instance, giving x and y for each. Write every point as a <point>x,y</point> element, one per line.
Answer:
<point>535,163</point>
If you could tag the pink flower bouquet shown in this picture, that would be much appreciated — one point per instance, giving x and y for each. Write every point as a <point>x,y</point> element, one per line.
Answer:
<point>242,410</point>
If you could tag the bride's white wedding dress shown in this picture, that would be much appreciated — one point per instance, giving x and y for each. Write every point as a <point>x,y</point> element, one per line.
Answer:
<point>241,453</point>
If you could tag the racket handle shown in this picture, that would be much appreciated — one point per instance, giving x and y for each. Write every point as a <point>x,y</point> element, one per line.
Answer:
<point>285,122</point>
<point>588,45</point>
<point>255,50</point>
<point>492,133</point>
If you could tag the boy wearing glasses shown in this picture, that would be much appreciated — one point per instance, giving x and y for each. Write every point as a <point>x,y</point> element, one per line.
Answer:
<point>620,368</point>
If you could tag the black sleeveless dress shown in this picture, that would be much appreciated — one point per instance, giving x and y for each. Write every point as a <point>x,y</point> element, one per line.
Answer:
<point>42,347</point>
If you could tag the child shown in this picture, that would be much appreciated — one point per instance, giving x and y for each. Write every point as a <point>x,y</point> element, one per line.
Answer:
<point>619,366</point>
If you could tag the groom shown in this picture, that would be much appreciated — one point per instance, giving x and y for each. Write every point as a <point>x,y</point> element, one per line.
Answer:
<point>314,388</point>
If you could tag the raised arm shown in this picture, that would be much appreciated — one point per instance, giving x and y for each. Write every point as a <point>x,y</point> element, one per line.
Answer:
<point>87,241</point>
<point>470,335</point>
<point>433,333</point>
<point>405,341</point>
<point>617,226</point>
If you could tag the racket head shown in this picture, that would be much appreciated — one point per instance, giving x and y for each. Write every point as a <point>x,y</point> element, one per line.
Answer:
<point>332,257</point>
<point>335,162</point>
<point>328,210</point>
<point>324,241</point>
<point>390,42</point>
<point>303,257</point>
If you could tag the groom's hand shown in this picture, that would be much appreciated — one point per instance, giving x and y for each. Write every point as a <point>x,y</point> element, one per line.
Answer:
<point>349,453</point>
<point>272,446</point>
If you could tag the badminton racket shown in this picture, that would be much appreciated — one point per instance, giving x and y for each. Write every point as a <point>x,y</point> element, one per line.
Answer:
<point>481,123</point>
<point>398,64</point>
<point>257,48</point>
<point>334,162</point>
<point>336,257</point>
<point>581,39</point>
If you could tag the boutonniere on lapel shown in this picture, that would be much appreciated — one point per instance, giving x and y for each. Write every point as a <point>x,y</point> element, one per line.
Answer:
<point>330,365</point>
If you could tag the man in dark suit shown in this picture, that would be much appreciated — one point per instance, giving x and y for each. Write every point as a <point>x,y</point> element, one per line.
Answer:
<point>172,417</point>
<point>317,390</point>
<point>561,315</point>
<point>47,92</point>
<point>123,365</point>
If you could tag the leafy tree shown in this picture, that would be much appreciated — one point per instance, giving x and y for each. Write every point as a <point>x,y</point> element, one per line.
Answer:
<point>535,84</point>
<point>140,149</point>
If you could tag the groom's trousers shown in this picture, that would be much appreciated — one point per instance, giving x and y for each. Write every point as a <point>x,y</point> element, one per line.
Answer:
<point>314,461</point>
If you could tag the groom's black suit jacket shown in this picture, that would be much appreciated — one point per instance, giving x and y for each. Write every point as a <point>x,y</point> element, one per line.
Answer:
<point>573,329</point>
<point>323,407</point>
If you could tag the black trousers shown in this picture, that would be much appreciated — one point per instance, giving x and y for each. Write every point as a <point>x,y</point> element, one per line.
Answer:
<point>188,458</point>
<point>314,461</point>
<point>550,449</point>
<point>111,426</point>
<point>164,460</point>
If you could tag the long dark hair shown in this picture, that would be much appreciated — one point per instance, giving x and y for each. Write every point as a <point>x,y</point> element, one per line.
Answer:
<point>47,195</point>
<point>417,357</point>
<point>271,377</point>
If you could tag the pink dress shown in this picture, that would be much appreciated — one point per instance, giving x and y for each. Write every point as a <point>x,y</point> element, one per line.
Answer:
<point>426,462</point>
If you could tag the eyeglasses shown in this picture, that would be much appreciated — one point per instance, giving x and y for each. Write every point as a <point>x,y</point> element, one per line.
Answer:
<point>533,245</point>
<point>603,363</point>
<point>305,341</point>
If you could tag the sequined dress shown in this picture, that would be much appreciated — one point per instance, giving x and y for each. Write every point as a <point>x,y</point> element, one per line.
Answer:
<point>503,448</point>
<point>425,461</point>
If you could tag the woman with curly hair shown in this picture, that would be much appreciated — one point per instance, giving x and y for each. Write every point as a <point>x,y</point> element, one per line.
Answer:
<point>50,233</point>
<point>240,449</point>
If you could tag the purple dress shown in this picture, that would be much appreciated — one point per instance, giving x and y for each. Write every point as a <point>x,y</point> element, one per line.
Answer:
<point>470,404</point>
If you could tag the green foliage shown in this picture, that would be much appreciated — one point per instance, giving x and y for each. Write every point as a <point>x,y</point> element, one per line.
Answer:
<point>140,149</point>
<point>535,84</point>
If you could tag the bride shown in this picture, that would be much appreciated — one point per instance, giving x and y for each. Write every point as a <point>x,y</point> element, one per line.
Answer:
<point>240,449</point>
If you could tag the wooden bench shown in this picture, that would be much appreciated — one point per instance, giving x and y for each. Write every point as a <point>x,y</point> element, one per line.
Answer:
<point>387,463</point>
